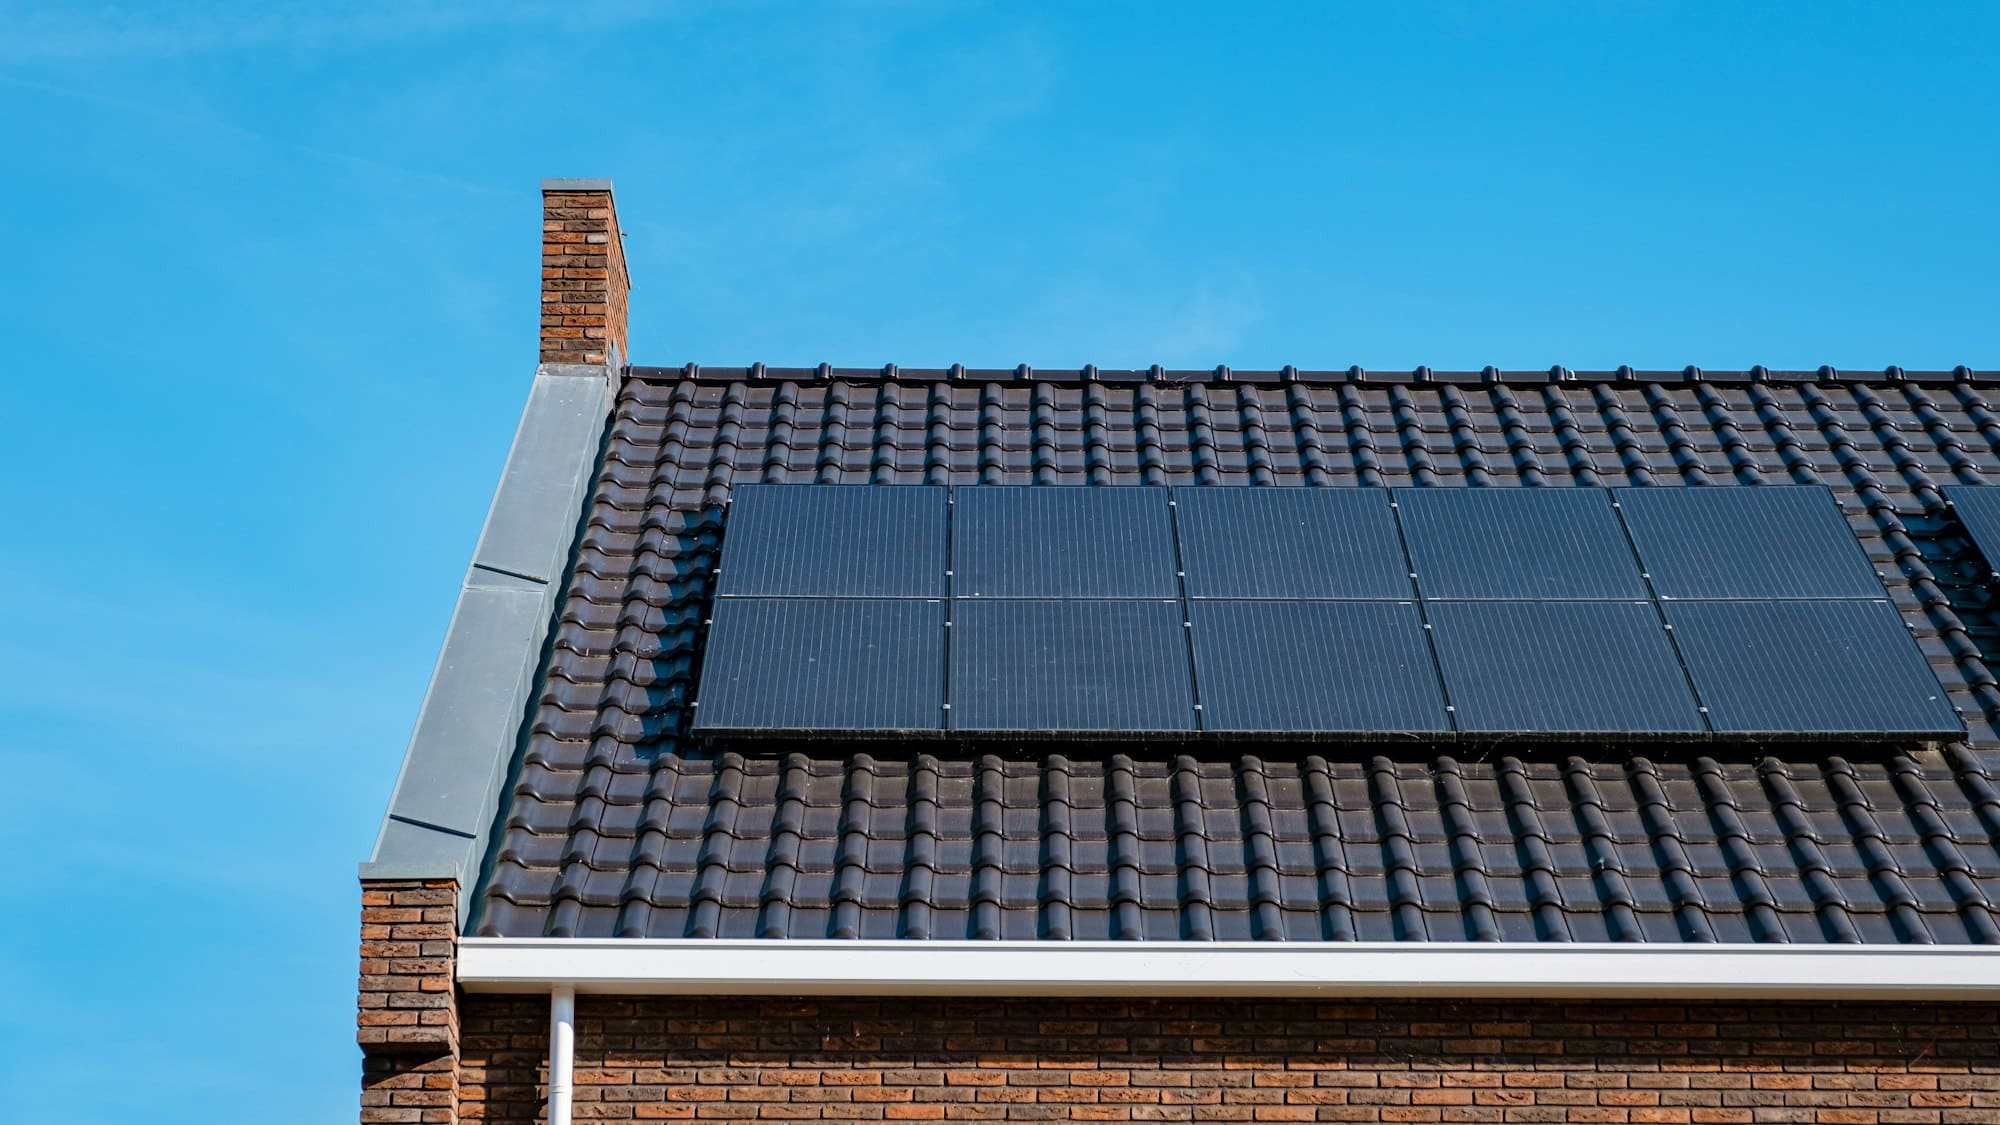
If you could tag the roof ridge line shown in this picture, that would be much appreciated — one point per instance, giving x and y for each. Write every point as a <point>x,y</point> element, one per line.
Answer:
<point>1225,375</point>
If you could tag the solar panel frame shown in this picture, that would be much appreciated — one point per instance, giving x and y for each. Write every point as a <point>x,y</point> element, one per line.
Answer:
<point>1776,542</point>
<point>824,665</point>
<point>1316,669</point>
<point>1294,543</point>
<point>1070,666</point>
<point>1023,541</point>
<point>1621,675</point>
<point>833,540</point>
<point>1538,544</point>
<point>1777,669</point>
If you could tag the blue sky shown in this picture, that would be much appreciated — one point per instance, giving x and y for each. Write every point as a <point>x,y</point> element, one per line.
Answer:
<point>270,314</point>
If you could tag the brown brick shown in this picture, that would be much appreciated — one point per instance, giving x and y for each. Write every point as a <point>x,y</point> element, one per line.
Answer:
<point>1038,1060</point>
<point>405,1011</point>
<point>584,284</point>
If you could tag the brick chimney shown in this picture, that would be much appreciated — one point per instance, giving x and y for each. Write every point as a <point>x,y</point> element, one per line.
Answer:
<point>584,284</point>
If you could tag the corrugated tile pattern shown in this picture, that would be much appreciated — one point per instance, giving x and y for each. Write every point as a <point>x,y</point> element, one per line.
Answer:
<point>617,824</point>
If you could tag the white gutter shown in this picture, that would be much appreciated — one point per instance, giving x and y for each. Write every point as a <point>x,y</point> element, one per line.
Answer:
<point>1093,968</point>
<point>562,1053</point>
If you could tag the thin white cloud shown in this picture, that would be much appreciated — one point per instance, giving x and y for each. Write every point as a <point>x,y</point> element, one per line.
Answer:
<point>1208,326</point>
<point>68,31</point>
<point>1138,325</point>
<point>904,138</point>
<point>349,160</point>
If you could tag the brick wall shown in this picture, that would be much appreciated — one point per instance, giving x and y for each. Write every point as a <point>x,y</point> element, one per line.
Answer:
<point>1044,1060</point>
<point>406,1018</point>
<point>584,284</point>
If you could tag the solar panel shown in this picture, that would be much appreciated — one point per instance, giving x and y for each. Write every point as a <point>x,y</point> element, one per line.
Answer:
<point>1290,612</point>
<point>1810,667</point>
<point>1552,543</point>
<point>1331,667</point>
<point>834,541</point>
<point>1070,665</point>
<point>823,664</point>
<point>1978,508</point>
<point>1765,542</point>
<point>1290,543</point>
<point>1025,542</point>
<point>1576,668</point>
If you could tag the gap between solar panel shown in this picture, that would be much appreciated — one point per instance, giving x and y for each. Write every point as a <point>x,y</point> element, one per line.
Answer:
<point>1785,627</point>
<point>1542,619</point>
<point>1066,612</point>
<point>830,616</point>
<point>1303,617</point>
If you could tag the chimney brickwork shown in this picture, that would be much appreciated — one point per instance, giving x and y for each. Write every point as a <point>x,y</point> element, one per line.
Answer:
<point>584,284</point>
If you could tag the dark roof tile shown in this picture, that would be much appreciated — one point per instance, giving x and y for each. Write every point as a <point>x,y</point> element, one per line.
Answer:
<point>615,824</point>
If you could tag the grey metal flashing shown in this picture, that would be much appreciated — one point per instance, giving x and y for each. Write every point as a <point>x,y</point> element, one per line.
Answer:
<point>547,474</point>
<point>460,752</point>
<point>496,578</point>
<point>572,370</point>
<point>571,184</point>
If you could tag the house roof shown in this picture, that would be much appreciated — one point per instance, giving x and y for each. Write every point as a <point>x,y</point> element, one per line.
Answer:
<point>613,823</point>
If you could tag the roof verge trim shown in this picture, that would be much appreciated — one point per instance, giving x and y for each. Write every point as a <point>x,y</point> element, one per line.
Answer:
<point>445,799</point>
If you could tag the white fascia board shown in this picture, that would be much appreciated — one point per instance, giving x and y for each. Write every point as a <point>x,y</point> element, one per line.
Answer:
<point>1107,969</point>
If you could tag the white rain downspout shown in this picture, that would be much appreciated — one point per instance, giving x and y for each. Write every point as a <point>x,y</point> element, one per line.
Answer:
<point>562,1052</point>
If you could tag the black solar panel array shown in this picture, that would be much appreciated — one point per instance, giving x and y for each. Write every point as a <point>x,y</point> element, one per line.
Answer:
<point>1426,612</point>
